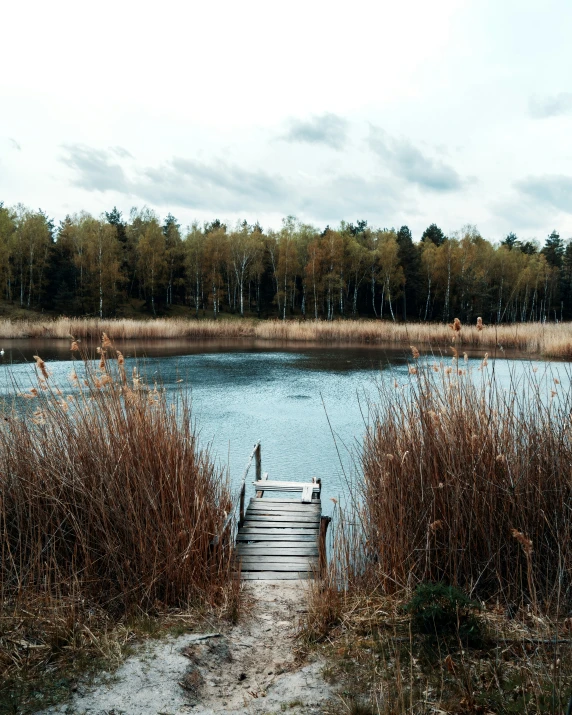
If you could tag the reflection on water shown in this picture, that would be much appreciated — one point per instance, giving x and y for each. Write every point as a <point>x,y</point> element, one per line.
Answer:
<point>298,400</point>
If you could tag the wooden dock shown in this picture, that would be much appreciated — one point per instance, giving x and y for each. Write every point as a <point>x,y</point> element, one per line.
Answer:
<point>279,537</point>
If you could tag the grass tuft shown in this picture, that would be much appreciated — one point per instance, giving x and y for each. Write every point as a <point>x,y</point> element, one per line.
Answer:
<point>108,509</point>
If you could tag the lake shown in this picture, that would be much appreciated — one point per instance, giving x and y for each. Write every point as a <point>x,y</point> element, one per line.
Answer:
<point>307,404</point>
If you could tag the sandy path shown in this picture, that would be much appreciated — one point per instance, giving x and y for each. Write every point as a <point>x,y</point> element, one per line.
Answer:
<point>249,668</point>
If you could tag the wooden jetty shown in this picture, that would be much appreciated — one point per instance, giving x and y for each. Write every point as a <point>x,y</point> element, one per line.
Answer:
<point>280,537</point>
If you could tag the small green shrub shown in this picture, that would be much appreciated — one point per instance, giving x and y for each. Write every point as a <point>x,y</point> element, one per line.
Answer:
<point>445,611</point>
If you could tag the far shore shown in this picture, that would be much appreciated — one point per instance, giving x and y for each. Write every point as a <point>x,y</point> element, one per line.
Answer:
<point>545,339</point>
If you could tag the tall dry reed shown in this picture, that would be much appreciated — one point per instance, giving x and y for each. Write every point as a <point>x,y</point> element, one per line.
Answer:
<point>549,339</point>
<point>106,496</point>
<point>469,481</point>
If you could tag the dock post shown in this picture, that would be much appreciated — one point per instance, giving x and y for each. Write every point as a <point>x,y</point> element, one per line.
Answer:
<point>258,458</point>
<point>241,512</point>
<point>322,555</point>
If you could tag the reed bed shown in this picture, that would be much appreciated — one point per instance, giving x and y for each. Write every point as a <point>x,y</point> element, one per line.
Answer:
<point>469,481</point>
<point>465,482</point>
<point>108,509</point>
<point>547,339</point>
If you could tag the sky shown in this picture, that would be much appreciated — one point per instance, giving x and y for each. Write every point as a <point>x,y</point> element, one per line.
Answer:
<point>452,112</point>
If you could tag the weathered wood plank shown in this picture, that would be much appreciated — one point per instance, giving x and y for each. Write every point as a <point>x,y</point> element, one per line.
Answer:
<point>296,568</point>
<point>285,509</point>
<point>284,518</point>
<point>282,503</point>
<point>262,559</point>
<point>283,550</point>
<point>271,485</point>
<point>281,519</point>
<point>260,529</point>
<point>281,500</point>
<point>293,515</point>
<point>286,512</point>
<point>277,575</point>
<point>307,492</point>
<point>286,538</point>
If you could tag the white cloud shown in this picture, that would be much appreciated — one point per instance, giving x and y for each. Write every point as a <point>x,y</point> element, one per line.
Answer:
<point>551,106</point>
<point>180,106</point>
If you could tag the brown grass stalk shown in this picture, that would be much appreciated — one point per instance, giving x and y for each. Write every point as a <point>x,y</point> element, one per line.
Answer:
<point>461,475</point>
<point>107,503</point>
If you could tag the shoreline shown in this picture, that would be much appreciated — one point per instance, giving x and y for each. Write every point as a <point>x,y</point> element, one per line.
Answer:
<point>552,340</point>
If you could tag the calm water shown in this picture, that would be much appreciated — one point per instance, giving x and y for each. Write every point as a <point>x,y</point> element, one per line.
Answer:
<point>307,405</point>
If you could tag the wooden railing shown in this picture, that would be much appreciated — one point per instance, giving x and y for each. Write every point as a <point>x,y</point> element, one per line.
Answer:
<point>241,495</point>
<point>258,457</point>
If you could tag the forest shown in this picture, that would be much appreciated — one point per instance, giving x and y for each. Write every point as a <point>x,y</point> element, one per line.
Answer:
<point>113,266</point>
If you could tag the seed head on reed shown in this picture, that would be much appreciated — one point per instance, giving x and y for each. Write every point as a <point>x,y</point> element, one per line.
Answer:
<point>414,351</point>
<point>102,363</point>
<point>436,525</point>
<point>480,325</point>
<point>38,418</point>
<point>523,541</point>
<point>465,357</point>
<point>455,325</point>
<point>120,358</point>
<point>105,341</point>
<point>412,370</point>
<point>74,346</point>
<point>41,365</point>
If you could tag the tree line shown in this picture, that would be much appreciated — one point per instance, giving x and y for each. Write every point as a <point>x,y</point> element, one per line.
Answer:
<point>97,266</point>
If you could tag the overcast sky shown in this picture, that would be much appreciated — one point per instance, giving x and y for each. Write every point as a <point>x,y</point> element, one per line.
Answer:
<point>400,113</point>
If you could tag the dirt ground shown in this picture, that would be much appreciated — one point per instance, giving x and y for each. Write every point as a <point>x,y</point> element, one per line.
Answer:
<point>248,668</point>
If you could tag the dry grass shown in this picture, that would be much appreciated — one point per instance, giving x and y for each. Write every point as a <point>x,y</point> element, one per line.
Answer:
<point>461,474</point>
<point>382,667</point>
<point>467,482</point>
<point>548,339</point>
<point>107,512</point>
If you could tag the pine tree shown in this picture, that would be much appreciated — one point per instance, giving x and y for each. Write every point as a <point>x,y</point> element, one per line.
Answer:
<point>434,234</point>
<point>554,249</point>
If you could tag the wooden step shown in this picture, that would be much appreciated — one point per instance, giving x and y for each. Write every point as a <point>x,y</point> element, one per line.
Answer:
<point>285,531</point>
<point>311,538</point>
<point>276,575</point>
<point>273,550</point>
<point>268,485</point>
<point>261,508</point>
<point>284,500</point>
<point>281,519</point>
<point>280,559</point>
